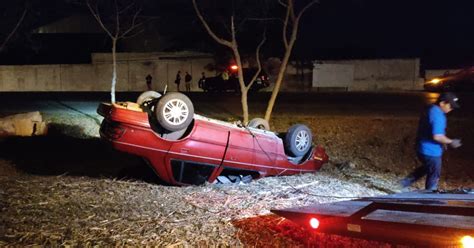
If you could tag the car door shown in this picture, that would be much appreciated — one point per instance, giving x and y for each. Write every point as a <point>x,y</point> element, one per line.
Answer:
<point>241,150</point>
<point>194,159</point>
<point>266,147</point>
<point>250,150</point>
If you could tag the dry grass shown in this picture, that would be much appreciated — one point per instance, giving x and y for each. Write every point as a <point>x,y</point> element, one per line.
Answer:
<point>49,208</point>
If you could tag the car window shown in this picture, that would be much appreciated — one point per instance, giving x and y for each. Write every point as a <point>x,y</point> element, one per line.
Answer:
<point>189,172</point>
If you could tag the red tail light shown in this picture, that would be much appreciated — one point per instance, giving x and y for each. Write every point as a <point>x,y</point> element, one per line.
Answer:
<point>314,223</point>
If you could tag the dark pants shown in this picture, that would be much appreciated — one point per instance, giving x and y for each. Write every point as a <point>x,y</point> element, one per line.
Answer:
<point>431,168</point>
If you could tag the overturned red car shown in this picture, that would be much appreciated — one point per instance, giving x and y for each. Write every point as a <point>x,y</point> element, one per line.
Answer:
<point>185,148</point>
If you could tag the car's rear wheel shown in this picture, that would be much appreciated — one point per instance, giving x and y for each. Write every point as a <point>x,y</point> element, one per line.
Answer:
<point>147,96</point>
<point>174,111</point>
<point>298,140</point>
<point>259,123</point>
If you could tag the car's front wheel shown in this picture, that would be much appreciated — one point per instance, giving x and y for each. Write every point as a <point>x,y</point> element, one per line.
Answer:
<point>174,111</point>
<point>298,140</point>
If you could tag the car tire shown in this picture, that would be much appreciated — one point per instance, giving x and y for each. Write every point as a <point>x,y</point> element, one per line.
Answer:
<point>259,123</point>
<point>298,140</point>
<point>174,111</point>
<point>147,96</point>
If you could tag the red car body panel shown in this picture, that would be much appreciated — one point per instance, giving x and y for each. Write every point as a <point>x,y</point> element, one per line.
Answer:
<point>216,145</point>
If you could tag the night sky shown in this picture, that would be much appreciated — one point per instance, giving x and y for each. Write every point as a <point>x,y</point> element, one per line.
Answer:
<point>439,32</point>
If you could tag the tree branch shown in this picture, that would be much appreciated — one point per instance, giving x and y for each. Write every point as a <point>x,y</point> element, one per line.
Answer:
<point>133,35</point>
<point>232,28</point>
<point>132,24</point>
<point>126,8</point>
<point>291,7</point>
<point>208,29</point>
<point>285,25</point>
<point>14,29</point>
<point>306,8</point>
<point>257,56</point>
<point>282,4</point>
<point>117,20</point>
<point>96,15</point>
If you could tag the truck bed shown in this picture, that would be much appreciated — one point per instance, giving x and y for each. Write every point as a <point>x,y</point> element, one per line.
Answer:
<point>415,218</point>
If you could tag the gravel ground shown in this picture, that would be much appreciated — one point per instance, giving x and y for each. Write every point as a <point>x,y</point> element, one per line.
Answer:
<point>66,189</point>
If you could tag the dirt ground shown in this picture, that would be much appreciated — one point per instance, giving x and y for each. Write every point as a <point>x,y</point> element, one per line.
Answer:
<point>69,189</point>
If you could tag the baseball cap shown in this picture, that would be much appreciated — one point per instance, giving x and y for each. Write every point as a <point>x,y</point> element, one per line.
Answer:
<point>449,97</point>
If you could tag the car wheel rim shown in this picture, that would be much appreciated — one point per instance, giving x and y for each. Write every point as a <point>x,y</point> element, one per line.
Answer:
<point>175,112</point>
<point>302,140</point>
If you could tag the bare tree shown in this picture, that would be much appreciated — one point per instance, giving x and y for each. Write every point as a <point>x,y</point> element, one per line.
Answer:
<point>12,32</point>
<point>290,27</point>
<point>232,44</point>
<point>119,19</point>
<point>290,31</point>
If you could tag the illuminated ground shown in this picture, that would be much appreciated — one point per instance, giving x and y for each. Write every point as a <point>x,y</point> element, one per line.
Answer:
<point>66,188</point>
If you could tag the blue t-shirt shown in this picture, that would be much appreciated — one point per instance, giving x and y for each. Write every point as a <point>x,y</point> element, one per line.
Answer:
<point>432,122</point>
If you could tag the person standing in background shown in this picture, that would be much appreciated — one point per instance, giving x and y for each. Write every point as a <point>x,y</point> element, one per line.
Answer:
<point>177,81</point>
<point>187,81</point>
<point>225,75</point>
<point>148,82</point>
<point>202,80</point>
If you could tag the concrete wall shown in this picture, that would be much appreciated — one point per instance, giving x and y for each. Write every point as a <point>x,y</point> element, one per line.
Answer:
<point>297,78</point>
<point>397,74</point>
<point>384,74</point>
<point>38,77</point>
<point>97,76</point>
<point>333,75</point>
<point>369,75</point>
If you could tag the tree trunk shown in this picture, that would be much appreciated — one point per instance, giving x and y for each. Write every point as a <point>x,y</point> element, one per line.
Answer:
<point>245,108</point>
<point>243,88</point>
<point>114,70</point>
<point>282,72</point>
<point>288,48</point>
<point>281,75</point>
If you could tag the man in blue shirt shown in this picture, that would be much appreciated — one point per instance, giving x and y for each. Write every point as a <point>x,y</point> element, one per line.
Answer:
<point>431,141</point>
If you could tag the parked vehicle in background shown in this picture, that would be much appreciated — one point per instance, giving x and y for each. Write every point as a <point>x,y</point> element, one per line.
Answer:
<point>185,148</point>
<point>462,80</point>
<point>218,84</point>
